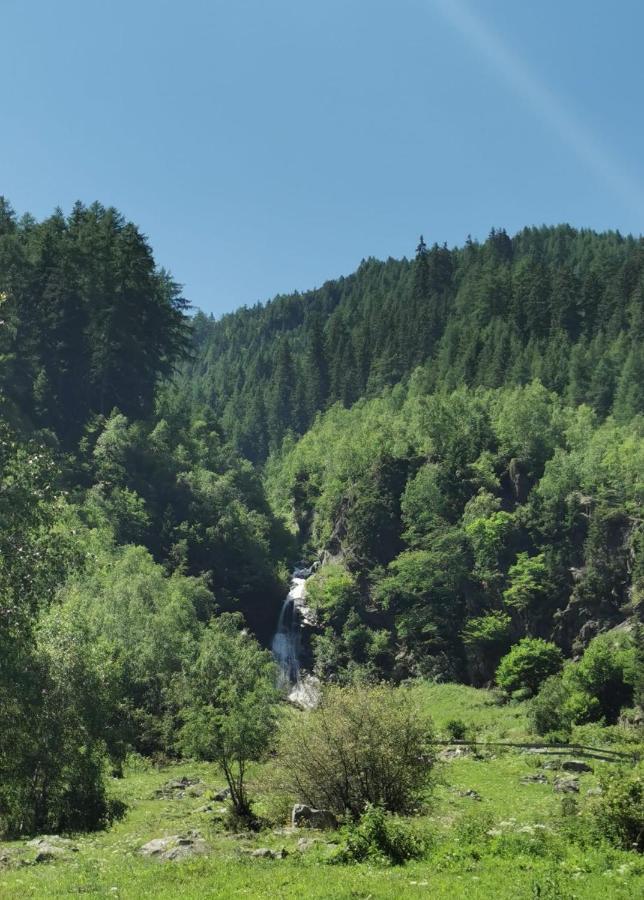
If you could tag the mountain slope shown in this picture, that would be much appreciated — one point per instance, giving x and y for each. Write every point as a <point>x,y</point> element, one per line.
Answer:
<point>558,304</point>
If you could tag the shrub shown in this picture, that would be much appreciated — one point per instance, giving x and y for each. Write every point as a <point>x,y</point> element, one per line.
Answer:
<point>618,814</point>
<point>596,688</point>
<point>381,837</point>
<point>456,729</point>
<point>606,673</point>
<point>363,745</point>
<point>527,665</point>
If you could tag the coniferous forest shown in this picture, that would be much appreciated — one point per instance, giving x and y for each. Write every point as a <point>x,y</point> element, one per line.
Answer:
<point>452,442</point>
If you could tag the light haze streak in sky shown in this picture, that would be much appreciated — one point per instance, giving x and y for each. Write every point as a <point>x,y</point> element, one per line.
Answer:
<point>530,88</point>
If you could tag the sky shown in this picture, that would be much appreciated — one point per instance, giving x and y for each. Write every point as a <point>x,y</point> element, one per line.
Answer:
<point>266,146</point>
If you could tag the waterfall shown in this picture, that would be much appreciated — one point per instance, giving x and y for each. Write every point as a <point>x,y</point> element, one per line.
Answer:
<point>287,639</point>
<point>303,689</point>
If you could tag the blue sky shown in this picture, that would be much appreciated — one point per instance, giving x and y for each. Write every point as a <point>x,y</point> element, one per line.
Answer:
<point>268,146</point>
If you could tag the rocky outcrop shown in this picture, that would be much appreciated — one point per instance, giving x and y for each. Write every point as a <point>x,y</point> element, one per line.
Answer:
<point>306,692</point>
<point>266,853</point>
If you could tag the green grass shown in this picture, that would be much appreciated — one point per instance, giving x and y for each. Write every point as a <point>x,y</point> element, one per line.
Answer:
<point>477,848</point>
<point>478,709</point>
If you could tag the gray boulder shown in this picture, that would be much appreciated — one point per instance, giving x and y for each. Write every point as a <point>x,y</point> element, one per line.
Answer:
<point>176,788</point>
<point>175,847</point>
<point>51,847</point>
<point>267,853</point>
<point>567,785</point>
<point>304,816</point>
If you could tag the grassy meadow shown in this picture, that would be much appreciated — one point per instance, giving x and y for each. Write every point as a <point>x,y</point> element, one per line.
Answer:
<point>489,834</point>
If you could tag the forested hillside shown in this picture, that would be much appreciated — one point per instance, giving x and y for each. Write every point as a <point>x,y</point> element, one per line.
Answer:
<point>457,439</point>
<point>557,304</point>
<point>460,523</point>
<point>126,524</point>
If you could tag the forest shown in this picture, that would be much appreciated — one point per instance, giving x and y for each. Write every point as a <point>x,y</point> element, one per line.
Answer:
<point>453,442</point>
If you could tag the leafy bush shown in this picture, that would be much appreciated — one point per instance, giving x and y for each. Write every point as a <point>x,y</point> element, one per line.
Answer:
<point>594,689</point>
<point>618,814</point>
<point>363,745</point>
<point>527,665</point>
<point>456,729</point>
<point>606,673</point>
<point>382,838</point>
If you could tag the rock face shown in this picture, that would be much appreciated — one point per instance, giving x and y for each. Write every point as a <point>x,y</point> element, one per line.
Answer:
<point>306,692</point>
<point>576,765</point>
<point>307,817</point>
<point>175,847</point>
<point>567,785</point>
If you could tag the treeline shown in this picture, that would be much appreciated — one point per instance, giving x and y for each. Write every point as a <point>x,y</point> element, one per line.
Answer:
<point>89,322</point>
<point>557,304</point>
<point>128,524</point>
<point>456,524</point>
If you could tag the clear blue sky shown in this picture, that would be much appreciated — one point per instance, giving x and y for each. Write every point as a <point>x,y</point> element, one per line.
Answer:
<point>268,145</point>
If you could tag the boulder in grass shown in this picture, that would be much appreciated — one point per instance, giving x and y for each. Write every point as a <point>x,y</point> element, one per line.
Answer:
<point>304,816</point>
<point>267,853</point>
<point>51,847</point>
<point>471,794</point>
<point>567,785</point>
<point>175,847</point>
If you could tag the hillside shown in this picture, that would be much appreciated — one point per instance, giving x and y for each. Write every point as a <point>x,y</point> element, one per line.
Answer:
<point>557,304</point>
<point>449,451</point>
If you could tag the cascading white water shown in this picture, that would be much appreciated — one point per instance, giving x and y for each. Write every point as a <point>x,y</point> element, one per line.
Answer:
<point>303,689</point>
<point>287,640</point>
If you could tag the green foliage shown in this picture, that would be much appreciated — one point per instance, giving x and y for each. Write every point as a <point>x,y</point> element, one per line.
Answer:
<point>95,322</point>
<point>149,624</point>
<point>559,305</point>
<point>230,704</point>
<point>382,838</point>
<point>538,547</point>
<point>618,814</point>
<point>527,665</point>
<point>593,689</point>
<point>606,673</point>
<point>363,745</point>
<point>492,629</point>
<point>64,721</point>
<point>456,729</point>
<point>528,584</point>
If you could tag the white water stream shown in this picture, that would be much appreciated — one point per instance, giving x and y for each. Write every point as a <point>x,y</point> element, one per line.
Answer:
<point>287,643</point>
